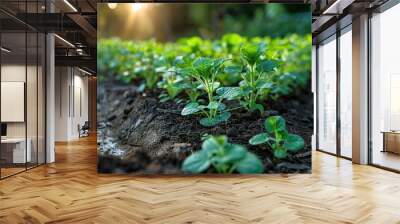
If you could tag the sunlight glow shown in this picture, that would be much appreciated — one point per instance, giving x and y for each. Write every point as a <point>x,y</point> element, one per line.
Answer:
<point>136,7</point>
<point>112,5</point>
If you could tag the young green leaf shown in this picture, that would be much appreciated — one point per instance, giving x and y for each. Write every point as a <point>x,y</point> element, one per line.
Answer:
<point>259,139</point>
<point>233,69</point>
<point>209,122</point>
<point>217,64</point>
<point>189,71</point>
<point>196,163</point>
<point>221,107</point>
<point>280,153</point>
<point>274,123</point>
<point>249,164</point>
<point>215,85</point>
<point>294,143</point>
<point>211,144</point>
<point>203,66</point>
<point>264,85</point>
<point>259,107</point>
<point>229,93</point>
<point>190,108</point>
<point>223,156</point>
<point>223,116</point>
<point>213,105</point>
<point>267,66</point>
<point>251,53</point>
<point>231,153</point>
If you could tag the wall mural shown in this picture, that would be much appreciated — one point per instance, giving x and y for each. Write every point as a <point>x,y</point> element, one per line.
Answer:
<point>204,88</point>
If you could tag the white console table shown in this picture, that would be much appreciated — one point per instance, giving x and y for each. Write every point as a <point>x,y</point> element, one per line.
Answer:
<point>18,145</point>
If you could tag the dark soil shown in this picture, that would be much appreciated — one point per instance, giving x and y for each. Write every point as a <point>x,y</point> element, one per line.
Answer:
<point>139,134</point>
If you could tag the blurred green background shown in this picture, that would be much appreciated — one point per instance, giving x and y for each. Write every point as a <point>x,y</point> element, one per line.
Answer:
<point>168,22</point>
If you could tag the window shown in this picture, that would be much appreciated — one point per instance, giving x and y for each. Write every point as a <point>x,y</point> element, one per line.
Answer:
<point>22,101</point>
<point>327,95</point>
<point>334,137</point>
<point>385,89</point>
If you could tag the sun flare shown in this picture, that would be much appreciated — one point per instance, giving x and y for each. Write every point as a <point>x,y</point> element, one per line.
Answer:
<point>136,7</point>
<point>112,5</point>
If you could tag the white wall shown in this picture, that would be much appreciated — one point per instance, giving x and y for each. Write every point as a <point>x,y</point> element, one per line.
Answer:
<point>71,94</point>
<point>62,81</point>
<point>80,111</point>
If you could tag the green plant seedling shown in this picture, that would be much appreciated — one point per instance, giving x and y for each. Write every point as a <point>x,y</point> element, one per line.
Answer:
<point>278,138</point>
<point>145,62</point>
<point>223,157</point>
<point>171,83</point>
<point>204,71</point>
<point>256,76</point>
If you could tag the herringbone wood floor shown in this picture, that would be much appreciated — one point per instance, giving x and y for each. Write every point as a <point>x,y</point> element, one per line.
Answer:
<point>70,191</point>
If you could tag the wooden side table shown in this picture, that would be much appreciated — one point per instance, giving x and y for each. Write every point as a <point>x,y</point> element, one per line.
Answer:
<point>391,141</point>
